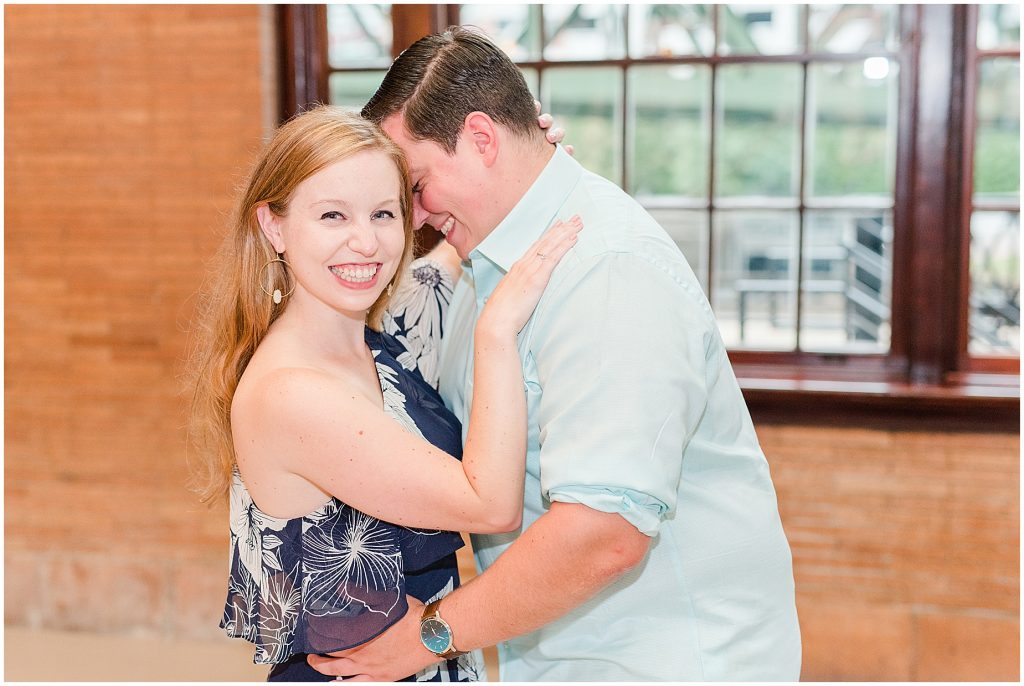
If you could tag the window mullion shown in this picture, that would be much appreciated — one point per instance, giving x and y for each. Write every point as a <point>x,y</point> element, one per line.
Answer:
<point>302,31</point>
<point>968,122</point>
<point>712,136</point>
<point>933,260</point>
<point>801,206</point>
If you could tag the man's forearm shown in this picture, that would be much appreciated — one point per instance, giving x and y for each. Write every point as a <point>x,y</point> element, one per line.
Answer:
<point>561,561</point>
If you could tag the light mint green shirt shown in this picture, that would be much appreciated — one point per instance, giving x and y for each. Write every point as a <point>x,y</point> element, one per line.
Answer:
<point>634,409</point>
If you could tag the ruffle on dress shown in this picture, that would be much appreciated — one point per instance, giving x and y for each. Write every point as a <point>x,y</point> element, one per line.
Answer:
<point>336,578</point>
<point>328,581</point>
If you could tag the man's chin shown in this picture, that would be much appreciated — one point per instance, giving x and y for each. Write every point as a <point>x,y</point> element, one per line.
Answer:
<point>463,254</point>
<point>460,250</point>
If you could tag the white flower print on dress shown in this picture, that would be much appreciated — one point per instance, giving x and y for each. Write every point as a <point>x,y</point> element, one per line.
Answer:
<point>249,525</point>
<point>394,399</point>
<point>281,599</point>
<point>352,559</point>
<point>420,302</point>
<point>243,594</point>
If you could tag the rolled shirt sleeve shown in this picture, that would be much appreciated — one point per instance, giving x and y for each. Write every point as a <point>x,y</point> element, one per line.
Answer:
<point>623,373</point>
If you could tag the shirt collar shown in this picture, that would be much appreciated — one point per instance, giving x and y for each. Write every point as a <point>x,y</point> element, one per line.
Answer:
<point>531,216</point>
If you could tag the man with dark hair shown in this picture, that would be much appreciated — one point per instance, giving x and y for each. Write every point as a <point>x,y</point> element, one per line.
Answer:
<point>651,546</point>
<point>446,76</point>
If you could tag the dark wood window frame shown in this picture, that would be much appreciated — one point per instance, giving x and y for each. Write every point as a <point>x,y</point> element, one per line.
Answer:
<point>926,373</point>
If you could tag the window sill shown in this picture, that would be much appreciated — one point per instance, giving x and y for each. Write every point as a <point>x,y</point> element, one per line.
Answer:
<point>975,402</point>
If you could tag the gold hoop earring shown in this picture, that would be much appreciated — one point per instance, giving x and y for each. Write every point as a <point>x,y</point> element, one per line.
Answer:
<point>276,295</point>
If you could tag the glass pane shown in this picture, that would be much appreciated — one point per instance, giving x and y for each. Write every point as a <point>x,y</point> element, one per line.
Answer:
<point>997,140</point>
<point>847,284</point>
<point>758,146</point>
<point>513,28</point>
<point>358,35</point>
<point>998,27</point>
<point>669,129</point>
<point>689,229</point>
<point>994,319</point>
<point>759,29</point>
<point>669,30</point>
<point>852,28</point>
<point>533,83</point>
<point>754,291</point>
<point>354,88</point>
<point>851,132</point>
<point>584,32</point>
<point>587,102</point>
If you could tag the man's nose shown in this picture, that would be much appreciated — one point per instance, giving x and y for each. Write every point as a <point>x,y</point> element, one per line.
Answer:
<point>419,215</point>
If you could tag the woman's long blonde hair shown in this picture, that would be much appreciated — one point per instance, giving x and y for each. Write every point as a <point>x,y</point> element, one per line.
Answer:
<point>235,310</point>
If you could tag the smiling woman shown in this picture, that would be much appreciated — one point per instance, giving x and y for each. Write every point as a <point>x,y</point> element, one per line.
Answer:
<point>332,217</point>
<point>316,409</point>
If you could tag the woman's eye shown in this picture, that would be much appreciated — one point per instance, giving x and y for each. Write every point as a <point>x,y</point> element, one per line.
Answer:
<point>416,188</point>
<point>383,214</point>
<point>332,215</point>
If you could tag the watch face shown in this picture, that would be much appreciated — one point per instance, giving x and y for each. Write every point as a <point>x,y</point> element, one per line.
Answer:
<point>436,635</point>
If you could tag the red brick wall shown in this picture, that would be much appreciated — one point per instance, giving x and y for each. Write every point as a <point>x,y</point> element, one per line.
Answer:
<point>906,550</point>
<point>127,129</point>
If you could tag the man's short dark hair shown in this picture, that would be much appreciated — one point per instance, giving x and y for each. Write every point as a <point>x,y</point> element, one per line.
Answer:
<point>443,77</point>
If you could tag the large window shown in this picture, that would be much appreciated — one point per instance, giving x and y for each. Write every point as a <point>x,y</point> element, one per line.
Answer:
<point>359,51</point>
<point>791,151</point>
<point>994,185</point>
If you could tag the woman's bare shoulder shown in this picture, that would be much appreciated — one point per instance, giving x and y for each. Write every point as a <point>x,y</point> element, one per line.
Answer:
<point>285,382</point>
<point>281,376</point>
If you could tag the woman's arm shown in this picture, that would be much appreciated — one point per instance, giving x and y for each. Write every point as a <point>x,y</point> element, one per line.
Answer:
<point>311,424</point>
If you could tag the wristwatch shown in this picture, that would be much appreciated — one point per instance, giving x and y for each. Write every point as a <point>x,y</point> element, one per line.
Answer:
<point>436,634</point>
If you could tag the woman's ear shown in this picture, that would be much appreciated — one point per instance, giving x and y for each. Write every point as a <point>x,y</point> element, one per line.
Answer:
<point>270,225</point>
<point>482,135</point>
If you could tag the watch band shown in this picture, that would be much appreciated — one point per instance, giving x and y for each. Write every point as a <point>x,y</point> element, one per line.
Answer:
<point>432,610</point>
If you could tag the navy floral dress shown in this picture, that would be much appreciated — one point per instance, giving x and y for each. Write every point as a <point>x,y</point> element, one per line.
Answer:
<point>337,577</point>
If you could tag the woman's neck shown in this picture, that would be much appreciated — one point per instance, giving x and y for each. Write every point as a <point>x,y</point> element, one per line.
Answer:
<point>323,331</point>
